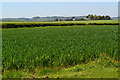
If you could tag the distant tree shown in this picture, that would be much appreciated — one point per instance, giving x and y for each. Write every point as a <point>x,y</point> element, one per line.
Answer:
<point>37,17</point>
<point>99,17</point>
<point>56,19</point>
<point>88,16</point>
<point>103,17</point>
<point>82,19</point>
<point>95,17</point>
<point>107,18</point>
<point>91,16</point>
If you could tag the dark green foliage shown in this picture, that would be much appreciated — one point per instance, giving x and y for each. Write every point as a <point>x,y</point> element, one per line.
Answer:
<point>19,25</point>
<point>82,19</point>
<point>95,17</point>
<point>56,19</point>
<point>103,23</point>
<point>61,23</point>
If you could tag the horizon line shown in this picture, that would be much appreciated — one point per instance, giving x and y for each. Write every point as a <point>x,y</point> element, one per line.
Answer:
<point>61,16</point>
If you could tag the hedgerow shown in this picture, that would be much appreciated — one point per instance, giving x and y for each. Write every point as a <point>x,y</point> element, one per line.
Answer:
<point>42,24</point>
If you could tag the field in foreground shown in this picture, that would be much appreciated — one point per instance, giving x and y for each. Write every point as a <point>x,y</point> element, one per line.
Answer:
<point>103,67</point>
<point>59,47</point>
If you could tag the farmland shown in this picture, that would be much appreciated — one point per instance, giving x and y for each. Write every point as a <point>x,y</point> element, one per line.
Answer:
<point>58,46</point>
<point>57,23</point>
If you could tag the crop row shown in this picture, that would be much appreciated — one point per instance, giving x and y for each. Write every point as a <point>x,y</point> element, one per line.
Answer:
<point>57,46</point>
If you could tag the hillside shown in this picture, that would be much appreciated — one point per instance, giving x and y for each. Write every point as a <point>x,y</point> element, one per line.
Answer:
<point>52,18</point>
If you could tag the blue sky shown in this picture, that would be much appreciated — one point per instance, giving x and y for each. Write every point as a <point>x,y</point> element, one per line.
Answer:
<point>60,0</point>
<point>31,9</point>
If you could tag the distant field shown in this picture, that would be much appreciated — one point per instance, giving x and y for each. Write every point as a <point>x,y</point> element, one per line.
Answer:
<point>57,23</point>
<point>102,21</point>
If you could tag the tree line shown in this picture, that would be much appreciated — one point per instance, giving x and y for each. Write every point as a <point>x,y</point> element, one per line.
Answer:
<point>88,17</point>
<point>95,17</point>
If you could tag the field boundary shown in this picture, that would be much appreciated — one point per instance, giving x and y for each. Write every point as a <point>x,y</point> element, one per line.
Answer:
<point>44,24</point>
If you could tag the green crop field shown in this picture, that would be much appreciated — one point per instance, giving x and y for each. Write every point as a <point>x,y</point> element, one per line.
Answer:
<point>60,46</point>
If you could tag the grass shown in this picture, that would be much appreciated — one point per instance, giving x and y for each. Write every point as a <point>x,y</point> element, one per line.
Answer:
<point>28,50</point>
<point>93,69</point>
